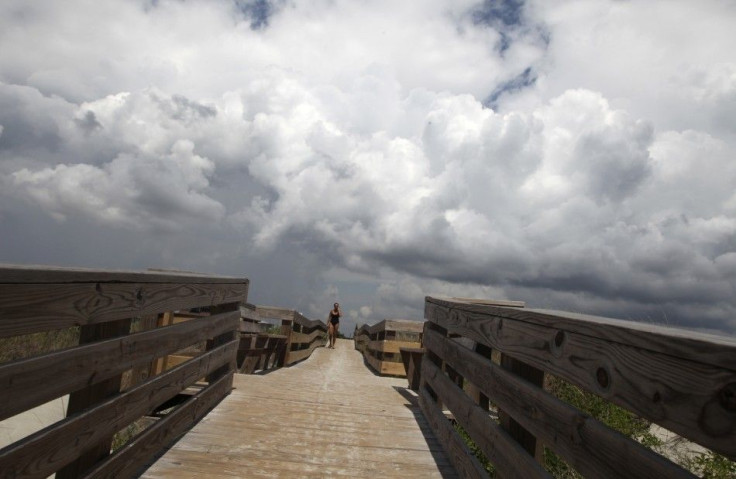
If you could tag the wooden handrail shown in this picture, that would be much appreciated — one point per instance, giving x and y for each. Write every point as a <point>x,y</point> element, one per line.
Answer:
<point>303,335</point>
<point>103,305</point>
<point>684,381</point>
<point>380,344</point>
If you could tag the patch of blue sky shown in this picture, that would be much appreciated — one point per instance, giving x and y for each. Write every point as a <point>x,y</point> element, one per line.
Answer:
<point>504,16</point>
<point>258,11</point>
<point>495,13</point>
<point>524,79</point>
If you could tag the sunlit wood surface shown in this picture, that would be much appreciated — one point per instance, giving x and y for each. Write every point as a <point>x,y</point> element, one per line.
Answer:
<point>326,416</point>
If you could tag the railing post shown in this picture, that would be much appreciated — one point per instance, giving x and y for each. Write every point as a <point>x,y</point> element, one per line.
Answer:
<point>246,362</point>
<point>431,356</point>
<point>286,327</point>
<point>84,398</point>
<point>265,344</point>
<point>412,359</point>
<point>158,365</point>
<point>270,351</point>
<point>230,367</point>
<point>472,390</point>
<point>521,435</point>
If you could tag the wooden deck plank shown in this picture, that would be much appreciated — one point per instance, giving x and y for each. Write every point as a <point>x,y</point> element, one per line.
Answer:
<point>328,416</point>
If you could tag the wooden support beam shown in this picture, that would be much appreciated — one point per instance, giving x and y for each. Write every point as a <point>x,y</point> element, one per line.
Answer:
<point>93,395</point>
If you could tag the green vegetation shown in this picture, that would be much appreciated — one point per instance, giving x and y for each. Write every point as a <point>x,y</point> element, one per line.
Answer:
<point>707,464</point>
<point>275,329</point>
<point>710,465</point>
<point>122,437</point>
<point>475,450</point>
<point>28,345</point>
<point>606,412</point>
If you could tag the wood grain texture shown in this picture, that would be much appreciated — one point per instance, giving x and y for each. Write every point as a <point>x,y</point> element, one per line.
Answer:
<point>249,327</point>
<point>520,434</point>
<point>307,338</point>
<point>385,337</point>
<point>42,274</point>
<point>411,358</point>
<point>93,394</point>
<point>29,308</point>
<point>301,355</point>
<point>248,312</point>
<point>491,302</point>
<point>50,449</point>
<point>361,339</point>
<point>286,330</point>
<point>685,344</point>
<point>384,367</point>
<point>164,319</point>
<point>334,418</point>
<point>310,324</point>
<point>589,446</point>
<point>464,461</point>
<point>508,457</point>
<point>394,347</point>
<point>28,383</point>
<point>689,397</point>
<point>393,325</point>
<point>275,312</point>
<point>140,452</point>
<point>373,362</point>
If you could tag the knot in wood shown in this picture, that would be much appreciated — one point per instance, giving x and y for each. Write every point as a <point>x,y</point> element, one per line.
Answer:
<point>727,397</point>
<point>601,376</point>
<point>559,338</point>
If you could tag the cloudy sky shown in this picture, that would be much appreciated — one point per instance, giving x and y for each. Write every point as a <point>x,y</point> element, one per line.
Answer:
<point>576,155</point>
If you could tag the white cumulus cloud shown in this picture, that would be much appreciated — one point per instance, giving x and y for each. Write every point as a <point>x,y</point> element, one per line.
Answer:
<point>571,154</point>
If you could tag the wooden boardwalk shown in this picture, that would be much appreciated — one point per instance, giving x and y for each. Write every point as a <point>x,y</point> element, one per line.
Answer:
<point>326,416</point>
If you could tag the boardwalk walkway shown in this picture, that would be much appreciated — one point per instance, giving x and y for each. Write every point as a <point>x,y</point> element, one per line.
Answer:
<point>326,416</point>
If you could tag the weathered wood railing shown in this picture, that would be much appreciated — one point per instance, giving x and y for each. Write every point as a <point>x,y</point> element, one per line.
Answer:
<point>681,380</point>
<point>103,305</point>
<point>303,335</point>
<point>380,344</point>
<point>258,349</point>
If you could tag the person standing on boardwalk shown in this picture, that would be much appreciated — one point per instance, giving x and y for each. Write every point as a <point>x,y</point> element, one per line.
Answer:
<point>333,324</point>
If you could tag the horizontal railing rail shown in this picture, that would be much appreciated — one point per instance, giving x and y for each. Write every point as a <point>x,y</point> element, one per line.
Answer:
<point>480,357</point>
<point>381,343</point>
<point>303,335</point>
<point>114,373</point>
<point>258,350</point>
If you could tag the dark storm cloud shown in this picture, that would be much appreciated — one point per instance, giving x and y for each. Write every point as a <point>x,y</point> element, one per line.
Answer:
<point>88,123</point>
<point>24,125</point>
<point>181,108</point>
<point>346,151</point>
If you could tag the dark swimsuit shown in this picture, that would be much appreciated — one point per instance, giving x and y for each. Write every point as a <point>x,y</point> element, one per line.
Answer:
<point>334,318</point>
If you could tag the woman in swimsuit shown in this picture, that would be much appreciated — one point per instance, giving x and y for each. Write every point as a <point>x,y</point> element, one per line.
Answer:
<point>333,324</point>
